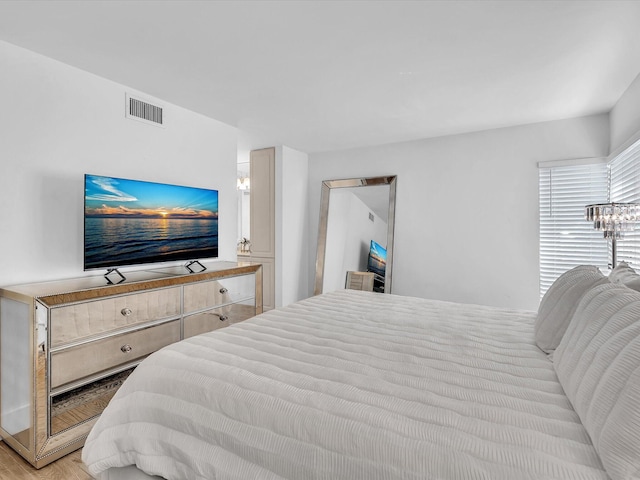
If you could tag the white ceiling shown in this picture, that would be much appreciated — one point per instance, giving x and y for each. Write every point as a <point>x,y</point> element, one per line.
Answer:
<point>326,75</point>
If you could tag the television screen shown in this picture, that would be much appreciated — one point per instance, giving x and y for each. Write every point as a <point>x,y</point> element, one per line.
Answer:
<point>129,222</point>
<point>377,259</point>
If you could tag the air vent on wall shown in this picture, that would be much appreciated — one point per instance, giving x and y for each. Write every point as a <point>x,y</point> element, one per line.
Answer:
<point>137,109</point>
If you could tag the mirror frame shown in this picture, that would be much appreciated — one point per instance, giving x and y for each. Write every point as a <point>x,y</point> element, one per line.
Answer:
<point>327,186</point>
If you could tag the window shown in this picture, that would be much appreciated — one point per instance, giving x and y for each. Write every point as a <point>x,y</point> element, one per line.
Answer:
<point>566,238</point>
<point>624,171</point>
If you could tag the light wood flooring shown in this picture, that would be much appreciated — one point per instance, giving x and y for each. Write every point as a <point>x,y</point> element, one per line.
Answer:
<point>14,467</point>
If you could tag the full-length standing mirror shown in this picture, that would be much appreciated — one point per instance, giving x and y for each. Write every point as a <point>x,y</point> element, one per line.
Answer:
<point>355,233</point>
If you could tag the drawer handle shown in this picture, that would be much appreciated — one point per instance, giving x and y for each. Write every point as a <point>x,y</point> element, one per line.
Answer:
<point>126,312</point>
<point>126,348</point>
<point>221,316</point>
<point>223,290</point>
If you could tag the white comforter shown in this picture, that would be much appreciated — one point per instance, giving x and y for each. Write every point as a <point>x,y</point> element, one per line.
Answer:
<point>350,385</point>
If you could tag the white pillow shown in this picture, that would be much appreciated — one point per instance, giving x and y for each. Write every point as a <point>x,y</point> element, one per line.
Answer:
<point>598,365</point>
<point>623,273</point>
<point>560,301</point>
<point>634,284</point>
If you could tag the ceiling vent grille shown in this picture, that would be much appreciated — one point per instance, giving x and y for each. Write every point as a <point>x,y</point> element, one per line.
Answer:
<point>137,109</point>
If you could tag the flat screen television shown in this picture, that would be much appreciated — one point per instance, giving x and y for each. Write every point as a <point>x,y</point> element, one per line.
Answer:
<point>377,262</point>
<point>130,222</point>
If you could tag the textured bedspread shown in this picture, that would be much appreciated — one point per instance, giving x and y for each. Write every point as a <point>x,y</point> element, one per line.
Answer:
<point>350,385</point>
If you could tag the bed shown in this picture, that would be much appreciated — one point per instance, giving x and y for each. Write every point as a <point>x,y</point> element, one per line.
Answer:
<point>359,385</point>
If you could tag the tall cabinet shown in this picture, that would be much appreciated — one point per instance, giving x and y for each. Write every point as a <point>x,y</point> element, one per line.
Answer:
<point>262,219</point>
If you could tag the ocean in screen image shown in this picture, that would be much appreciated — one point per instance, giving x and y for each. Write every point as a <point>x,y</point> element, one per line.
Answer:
<point>112,242</point>
<point>377,266</point>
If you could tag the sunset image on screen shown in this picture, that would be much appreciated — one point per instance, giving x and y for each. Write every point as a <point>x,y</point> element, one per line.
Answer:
<point>130,221</point>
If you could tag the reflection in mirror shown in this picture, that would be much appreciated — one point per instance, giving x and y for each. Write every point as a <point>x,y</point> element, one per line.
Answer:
<point>356,232</point>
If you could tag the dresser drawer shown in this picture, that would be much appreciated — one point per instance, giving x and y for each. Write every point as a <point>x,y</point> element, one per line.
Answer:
<point>217,318</point>
<point>94,357</point>
<point>73,322</point>
<point>199,296</point>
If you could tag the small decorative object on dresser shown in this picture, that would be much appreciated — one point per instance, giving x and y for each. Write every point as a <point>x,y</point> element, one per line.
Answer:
<point>67,346</point>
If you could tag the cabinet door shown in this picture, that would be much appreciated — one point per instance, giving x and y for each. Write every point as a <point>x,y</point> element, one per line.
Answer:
<point>262,217</point>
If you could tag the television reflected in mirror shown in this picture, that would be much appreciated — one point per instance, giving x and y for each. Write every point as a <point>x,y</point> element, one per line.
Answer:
<point>377,264</point>
<point>131,222</point>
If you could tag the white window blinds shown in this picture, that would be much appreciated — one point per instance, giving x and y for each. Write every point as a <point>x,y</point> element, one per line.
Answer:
<point>566,238</point>
<point>625,188</point>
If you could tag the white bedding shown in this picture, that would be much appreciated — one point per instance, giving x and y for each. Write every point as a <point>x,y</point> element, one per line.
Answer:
<point>350,385</point>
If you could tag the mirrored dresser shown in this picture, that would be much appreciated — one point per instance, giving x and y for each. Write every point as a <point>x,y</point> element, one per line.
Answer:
<point>66,346</point>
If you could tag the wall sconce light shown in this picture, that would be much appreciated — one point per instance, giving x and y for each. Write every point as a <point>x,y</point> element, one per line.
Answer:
<point>243,183</point>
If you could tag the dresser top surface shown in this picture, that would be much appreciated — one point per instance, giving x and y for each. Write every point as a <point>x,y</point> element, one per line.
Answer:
<point>96,286</point>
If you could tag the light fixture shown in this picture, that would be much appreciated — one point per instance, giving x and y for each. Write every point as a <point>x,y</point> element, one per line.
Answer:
<point>613,220</point>
<point>243,183</point>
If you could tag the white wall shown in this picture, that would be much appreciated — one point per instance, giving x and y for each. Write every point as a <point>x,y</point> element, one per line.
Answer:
<point>292,226</point>
<point>57,123</point>
<point>625,117</point>
<point>467,206</point>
